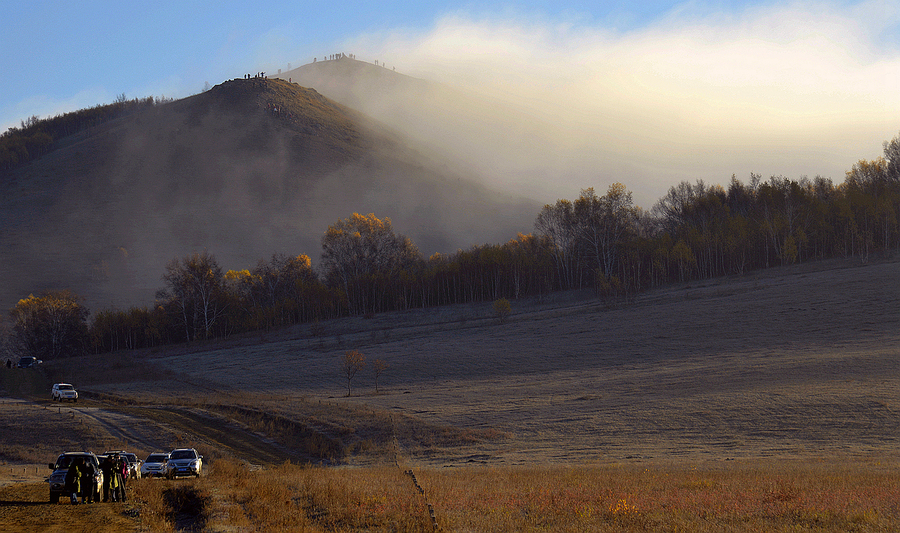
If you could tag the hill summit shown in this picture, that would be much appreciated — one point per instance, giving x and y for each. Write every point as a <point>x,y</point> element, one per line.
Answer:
<point>249,168</point>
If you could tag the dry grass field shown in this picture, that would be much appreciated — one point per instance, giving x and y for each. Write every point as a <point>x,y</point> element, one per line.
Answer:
<point>801,361</point>
<point>767,402</point>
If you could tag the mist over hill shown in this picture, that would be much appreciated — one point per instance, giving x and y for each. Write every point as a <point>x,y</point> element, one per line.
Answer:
<point>249,168</point>
<point>538,148</point>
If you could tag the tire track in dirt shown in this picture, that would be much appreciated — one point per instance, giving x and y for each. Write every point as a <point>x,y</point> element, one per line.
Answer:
<point>132,431</point>
<point>223,436</point>
<point>155,428</point>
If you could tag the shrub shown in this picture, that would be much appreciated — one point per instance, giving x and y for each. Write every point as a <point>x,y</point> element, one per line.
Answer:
<point>502,309</point>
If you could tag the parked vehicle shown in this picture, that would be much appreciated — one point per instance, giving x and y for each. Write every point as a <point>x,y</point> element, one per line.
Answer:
<point>155,465</point>
<point>57,479</point>
<point>63,391</point>
<point>134,464</point>
<point>28,362</point>
<point>184,462</point>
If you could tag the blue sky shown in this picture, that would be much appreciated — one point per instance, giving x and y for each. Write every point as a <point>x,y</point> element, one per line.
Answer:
<point>61,56</point>
<point>734,82</point>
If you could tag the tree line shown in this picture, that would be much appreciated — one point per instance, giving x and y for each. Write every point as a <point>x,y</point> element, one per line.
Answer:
<point>36,136</point>
<point>599,242</point>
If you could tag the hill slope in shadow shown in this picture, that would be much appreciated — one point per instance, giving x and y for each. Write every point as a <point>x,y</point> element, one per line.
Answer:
<point>249,168</point>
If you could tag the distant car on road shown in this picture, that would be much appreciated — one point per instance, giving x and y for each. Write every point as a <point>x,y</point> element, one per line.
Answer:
<point>57,479</point>
<point>63,391</point>
<point>184,462</point>
<point>28,362</point>
<point>155,465</point>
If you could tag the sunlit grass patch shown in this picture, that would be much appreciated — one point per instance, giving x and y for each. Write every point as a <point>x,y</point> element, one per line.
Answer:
<point>781,497</point>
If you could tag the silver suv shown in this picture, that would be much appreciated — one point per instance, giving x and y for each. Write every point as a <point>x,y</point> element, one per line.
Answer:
<point>184,462</point>
<point>154,465</point>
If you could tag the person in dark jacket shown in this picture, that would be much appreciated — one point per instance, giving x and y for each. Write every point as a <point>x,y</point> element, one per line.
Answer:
<point>87,482</point>
<point>121,472</point>
<point>73,479</point>
<point>107,466</point>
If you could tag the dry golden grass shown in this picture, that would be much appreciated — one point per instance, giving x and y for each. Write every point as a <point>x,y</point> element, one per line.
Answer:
<point>285,498</point>
<point>780,497</point>
<point>772,497</point>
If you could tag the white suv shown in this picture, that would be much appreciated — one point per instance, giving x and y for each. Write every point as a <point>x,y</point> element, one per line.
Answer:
<point>184,462</point>
<point>63,391</point>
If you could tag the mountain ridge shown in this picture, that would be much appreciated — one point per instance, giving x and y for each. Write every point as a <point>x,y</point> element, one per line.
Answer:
<point>249,168</point>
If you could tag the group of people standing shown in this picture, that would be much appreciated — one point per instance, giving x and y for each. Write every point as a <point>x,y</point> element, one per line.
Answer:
<point>81,475</point>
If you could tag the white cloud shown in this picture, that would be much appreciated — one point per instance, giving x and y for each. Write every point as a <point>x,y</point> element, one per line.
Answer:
<point>799,89</point>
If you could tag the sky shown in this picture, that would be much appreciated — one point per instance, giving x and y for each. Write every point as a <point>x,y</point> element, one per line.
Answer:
<point>659,91</point>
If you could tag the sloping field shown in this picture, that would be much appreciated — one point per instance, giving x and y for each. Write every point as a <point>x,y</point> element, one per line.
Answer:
<point>796,362</point>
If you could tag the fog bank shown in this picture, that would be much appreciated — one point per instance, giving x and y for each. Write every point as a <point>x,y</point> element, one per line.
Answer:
<point>799,89</point>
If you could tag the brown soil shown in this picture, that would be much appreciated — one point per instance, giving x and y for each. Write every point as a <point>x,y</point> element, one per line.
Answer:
<point>24,508</point>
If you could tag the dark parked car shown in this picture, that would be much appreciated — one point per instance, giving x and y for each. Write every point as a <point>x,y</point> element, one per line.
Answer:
<point>29,362</point>
<point>57,479</point>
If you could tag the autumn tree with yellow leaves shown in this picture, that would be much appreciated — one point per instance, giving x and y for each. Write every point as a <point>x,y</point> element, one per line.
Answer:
<point>49,326</point>
<point>364,257</point>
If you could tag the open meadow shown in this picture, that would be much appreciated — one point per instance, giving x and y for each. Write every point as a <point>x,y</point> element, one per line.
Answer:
<point>768,402</point>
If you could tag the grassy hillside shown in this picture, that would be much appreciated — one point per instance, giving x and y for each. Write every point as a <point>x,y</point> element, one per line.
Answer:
<point>245,170</point>
<point>776,364</point>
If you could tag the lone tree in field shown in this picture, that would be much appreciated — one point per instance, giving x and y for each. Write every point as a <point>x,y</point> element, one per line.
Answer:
<point>352,362</point>
<point>378,366</point>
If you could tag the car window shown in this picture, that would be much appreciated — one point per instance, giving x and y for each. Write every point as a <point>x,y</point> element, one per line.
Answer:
<point>155,458</point>
<point>183,454</point>
<point>64,461</point>
<point>66,387</point>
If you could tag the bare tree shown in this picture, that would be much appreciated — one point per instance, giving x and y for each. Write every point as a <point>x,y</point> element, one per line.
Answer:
<point>194,285</point>
<point>604,224</point>
<point>351,362</point>
<point>557,223</point>
<point>379,366</point>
